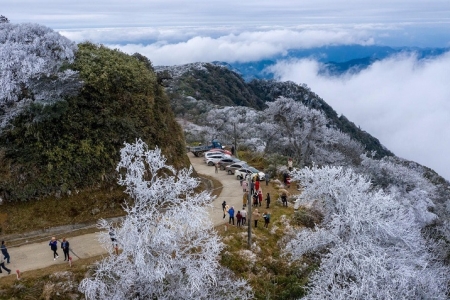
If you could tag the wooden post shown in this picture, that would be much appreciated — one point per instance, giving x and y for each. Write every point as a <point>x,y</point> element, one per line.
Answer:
<point>18,274</point>
<point>70,261</point>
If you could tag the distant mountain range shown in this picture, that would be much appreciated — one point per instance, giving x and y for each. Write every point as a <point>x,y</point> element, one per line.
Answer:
<point>336,59</point>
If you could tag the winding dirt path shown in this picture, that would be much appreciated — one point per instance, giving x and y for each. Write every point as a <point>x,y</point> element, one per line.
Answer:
<point>38,255</point>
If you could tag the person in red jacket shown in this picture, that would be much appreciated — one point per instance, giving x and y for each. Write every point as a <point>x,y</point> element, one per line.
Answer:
<point>239,218</point>
<point>260,197</point>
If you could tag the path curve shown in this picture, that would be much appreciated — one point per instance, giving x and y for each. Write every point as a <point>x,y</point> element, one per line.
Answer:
<point>38,255</point>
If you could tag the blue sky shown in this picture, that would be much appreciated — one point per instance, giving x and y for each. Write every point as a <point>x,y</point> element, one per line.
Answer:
<point>403,101</point>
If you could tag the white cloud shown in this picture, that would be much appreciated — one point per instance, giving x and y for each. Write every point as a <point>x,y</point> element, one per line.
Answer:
<point>402,101</point>
<point>242,47</point>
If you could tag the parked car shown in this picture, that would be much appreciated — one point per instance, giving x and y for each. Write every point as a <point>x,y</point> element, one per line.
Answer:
<point>209,153</point>
<point>227,161</point>
<point>220,150</point>
<point>244,172</point>
<point>236,166</point>
<point>213,159</point>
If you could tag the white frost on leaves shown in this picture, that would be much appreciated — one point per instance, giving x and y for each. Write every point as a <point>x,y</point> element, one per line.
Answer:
<point>248,255</point>
<point>374,247</point>
<point>169,249</point>
<point>179,70</point>
<point>31,57</point>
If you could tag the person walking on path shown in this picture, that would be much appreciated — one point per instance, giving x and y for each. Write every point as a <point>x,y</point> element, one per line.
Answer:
<point>231,213</point>
<point>5,252</point>
<point>239,218</point>
<point>65,248</point>
<point>252,187</point>
<point>244,216</point>
<point>266,217</point>
<point>216,167</point>
<point>255,217</point>
<point>225,209</point>
<point>244,199</point>
<point>267,177</point>
<point>268,200</point>
<point>54,247</point>
<point>2,265</point>
<point>224,203</point>
<point>244,186</point>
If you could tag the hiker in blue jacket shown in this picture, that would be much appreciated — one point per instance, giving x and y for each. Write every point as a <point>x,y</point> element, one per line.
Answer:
<point>54,246</point>
<point>231,213</point>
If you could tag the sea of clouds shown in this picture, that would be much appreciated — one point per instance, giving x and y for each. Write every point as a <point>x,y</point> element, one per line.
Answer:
<point>403,101</point>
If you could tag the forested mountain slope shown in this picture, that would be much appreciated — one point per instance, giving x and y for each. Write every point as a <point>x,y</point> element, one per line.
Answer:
<point>61,142</point>
<point>219,85</point>
<point>386,220</point>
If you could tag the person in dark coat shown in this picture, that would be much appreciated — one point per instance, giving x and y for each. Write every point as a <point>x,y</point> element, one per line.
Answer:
<point>224,204</point>
<point>54,247</point>
<point>5,252</point>
<point>239,218</point>
<point>268,200</point>
<point>2,265</point>
<point>255,200</point>
<point>65,248</point>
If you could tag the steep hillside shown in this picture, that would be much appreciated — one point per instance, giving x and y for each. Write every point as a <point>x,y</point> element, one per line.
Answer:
<point>74,143</point>
<point>219,85</point>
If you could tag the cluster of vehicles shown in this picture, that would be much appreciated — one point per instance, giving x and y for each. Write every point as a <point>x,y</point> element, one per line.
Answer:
<point>231,165</point>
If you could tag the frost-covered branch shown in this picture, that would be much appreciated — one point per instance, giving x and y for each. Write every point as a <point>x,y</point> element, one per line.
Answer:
<point>169,249</point>
<point>371,243</point>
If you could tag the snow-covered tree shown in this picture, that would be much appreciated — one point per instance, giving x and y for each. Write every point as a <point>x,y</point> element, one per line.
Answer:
<point>32,68</point>
<point>169,249</point>
<point>303,131</point>
<point>371,244</point>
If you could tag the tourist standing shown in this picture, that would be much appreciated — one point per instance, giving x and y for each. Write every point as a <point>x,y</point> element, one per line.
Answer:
<point>239,218</point>
<point>266,217</point>
<point>245,199</point>
<point>268,200</point>
<point>260,197</point>
<point>54,247</point>
<point>244,216</point>
<point>255,217</point>
<point>65,248</point>
<point>244,186</point>
<point>231,214</point>
<point>290,163</point>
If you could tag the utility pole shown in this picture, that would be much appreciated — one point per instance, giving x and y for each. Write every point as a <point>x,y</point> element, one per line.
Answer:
<point>249,213</point>
<point>235,140</point>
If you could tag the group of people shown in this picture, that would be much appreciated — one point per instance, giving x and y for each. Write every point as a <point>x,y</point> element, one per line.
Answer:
<point>64,246</point>
<point>241,216</point>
